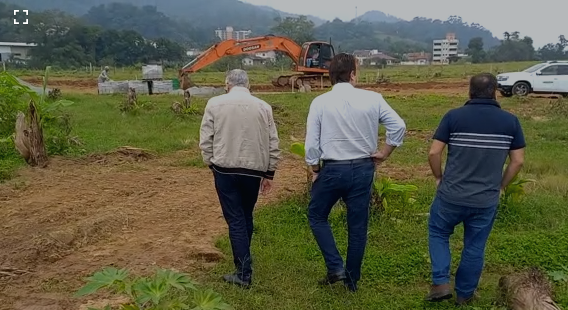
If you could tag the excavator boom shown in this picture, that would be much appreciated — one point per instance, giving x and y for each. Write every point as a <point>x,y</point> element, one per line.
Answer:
<point>253,45</point>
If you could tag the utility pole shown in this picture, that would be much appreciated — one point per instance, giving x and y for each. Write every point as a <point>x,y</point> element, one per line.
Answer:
<point>356,22</point>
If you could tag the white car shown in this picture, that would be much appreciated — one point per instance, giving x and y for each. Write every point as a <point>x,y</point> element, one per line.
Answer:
<point>550,77</point>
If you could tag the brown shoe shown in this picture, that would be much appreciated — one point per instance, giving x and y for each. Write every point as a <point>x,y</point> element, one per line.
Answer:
<point>461,301</point>
<point>439,293</point>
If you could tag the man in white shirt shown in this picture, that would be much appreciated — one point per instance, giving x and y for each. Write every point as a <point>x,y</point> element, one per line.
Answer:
<point>342,133</point>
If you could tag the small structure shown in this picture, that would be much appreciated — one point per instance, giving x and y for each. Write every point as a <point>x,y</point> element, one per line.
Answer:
<point>420,58</point>
<point>373,58</point>
<point>15,50</point>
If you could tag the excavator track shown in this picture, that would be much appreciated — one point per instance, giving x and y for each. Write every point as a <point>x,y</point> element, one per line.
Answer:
<point>298,80</point>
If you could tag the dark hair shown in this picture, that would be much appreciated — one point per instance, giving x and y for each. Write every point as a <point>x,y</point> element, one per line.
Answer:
<point>483,86</point>
<point>341,67</point>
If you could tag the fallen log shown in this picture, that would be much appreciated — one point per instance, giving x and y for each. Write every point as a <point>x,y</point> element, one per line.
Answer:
<point>29,138</point>
<point>527,290</point>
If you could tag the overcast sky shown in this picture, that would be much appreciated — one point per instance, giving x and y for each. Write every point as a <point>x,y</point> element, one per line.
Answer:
<point>543,20</point>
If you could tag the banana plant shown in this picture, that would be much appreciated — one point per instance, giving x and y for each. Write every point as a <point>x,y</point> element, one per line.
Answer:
<point>515,191</point>
<point>385,190</point>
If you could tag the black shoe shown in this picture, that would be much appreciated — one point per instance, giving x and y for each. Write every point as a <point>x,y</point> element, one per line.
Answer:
<point>235,279</point>
<point>332,278</point>
<point>352,287</point>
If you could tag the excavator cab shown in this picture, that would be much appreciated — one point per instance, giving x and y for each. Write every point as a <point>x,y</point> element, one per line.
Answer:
<point>316,56</point>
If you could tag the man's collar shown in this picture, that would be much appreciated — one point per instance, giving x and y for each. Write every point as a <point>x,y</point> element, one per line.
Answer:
<point>484,101</point>
<point>343,85</point>
<point>239,89</point>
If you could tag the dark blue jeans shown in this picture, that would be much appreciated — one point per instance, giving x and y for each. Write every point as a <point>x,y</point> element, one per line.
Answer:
<point>477,222</point>
<point>238,195</point>
<point>351,181</point>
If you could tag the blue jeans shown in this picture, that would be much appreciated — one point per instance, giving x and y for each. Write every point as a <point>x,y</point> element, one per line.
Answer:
<point>238,195</point>
<point>351,181</point>
<point>478,222</point>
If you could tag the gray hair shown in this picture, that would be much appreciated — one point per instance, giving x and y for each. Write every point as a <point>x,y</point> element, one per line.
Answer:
<point>237,77</point>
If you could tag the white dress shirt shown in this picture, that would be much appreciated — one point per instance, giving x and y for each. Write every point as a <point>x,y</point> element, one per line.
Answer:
<point>343,124</point>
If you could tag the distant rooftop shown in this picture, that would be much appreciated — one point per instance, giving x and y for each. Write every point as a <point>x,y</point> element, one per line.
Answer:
<point>17,44</point>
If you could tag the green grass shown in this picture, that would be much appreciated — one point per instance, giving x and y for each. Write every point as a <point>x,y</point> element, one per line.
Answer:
<point>264,76</point>
<point>396,269</point>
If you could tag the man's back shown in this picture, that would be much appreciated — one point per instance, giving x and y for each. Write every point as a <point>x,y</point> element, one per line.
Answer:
<point>348,119</point>
<point>479,137</point>
<point>241,131</point>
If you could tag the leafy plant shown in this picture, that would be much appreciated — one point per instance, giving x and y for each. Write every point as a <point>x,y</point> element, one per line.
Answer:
<point>56,125</point>
<point>514,192</point>
<point>165,290</point>
<point>386,191</point>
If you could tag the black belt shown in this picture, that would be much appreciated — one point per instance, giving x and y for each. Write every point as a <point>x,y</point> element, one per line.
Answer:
<point>347,162</point>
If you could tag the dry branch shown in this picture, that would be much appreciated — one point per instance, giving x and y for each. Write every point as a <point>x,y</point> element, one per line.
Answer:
<point>528,290</point>
<point>29,138</point>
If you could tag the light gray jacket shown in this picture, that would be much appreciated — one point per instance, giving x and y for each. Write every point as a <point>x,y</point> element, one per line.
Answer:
<point>238,135</point>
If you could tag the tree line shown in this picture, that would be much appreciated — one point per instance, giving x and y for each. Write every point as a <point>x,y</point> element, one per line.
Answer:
<point>69,42</point>
<point>513,47</point>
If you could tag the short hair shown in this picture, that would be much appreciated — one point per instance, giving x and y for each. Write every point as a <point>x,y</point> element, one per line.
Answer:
<point>237,77</point>
<point>341,67</point>
<point>483,86</point>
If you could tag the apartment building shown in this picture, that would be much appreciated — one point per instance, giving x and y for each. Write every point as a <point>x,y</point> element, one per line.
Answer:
<point>445,49</point>
<point>230,33</point>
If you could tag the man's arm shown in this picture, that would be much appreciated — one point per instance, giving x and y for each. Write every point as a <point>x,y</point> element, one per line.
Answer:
<point>394,125</point>
<point>274,148</point>
<point>516,156</point>
<point>313,135</point>
<point>206,135</point>
<point>441,139</point>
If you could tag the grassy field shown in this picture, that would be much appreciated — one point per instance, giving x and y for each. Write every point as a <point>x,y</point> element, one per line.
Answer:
<point>396,266</point>
<point>264,76</point>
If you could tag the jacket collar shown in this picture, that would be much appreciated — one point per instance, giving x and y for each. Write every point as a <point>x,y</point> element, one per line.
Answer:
<point>239,89</point>
<point>484,102</point>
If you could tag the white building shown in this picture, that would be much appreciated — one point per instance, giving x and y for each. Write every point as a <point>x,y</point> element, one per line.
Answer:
<point>444,49</point>
<point>193,52</point>
<point>16,50</point>
<point>230,33</point>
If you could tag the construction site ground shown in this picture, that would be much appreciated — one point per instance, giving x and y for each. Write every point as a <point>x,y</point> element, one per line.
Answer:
<point>65,222</point>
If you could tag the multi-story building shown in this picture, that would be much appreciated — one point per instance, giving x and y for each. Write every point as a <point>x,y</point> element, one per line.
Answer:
<point>230,33</point>
<point>444,50</point>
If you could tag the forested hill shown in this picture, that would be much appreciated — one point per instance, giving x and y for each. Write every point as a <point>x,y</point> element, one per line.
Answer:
<point>192,23</point>
<point>208,14</point>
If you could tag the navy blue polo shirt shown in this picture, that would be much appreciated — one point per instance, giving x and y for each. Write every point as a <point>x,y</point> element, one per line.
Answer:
<point>479,136</point>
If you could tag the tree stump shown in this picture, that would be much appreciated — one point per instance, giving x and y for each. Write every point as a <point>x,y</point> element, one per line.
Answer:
<point>29,138</point>
<point>528,290</point>
<point>176,107</point>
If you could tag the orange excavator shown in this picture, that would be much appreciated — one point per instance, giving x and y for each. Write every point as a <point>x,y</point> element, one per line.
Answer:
<point>311,60</point>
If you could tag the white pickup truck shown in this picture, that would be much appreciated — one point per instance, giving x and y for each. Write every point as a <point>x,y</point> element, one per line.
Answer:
<point>549,77</point>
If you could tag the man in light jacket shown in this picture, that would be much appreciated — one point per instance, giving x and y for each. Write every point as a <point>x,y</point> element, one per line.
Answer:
<point>239,143</point>
<point>342,134</point>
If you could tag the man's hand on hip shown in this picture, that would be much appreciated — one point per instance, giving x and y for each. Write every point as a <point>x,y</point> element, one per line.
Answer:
<point>265,186</point>
<point>379,157</point>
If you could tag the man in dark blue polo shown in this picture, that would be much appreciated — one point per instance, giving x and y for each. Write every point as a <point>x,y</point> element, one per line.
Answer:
<point>480,136</point>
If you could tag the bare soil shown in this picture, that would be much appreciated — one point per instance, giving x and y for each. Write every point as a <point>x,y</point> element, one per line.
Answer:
<point>62,223</point>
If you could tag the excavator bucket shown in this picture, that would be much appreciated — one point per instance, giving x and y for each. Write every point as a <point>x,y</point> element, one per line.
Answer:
<point>184,80</point>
